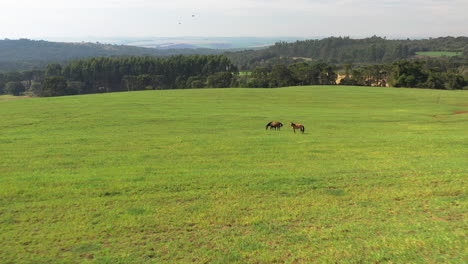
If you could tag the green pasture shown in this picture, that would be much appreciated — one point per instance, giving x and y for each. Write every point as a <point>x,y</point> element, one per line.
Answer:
<point>192,176</point>
<point>438,53</point>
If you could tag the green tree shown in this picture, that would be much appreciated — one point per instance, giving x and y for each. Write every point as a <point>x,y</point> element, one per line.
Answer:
<point>53,69</point>
<point>328,76</point>
<point>130,82</point>
<point>259,77</point>
<point>435,80</point>
<point>408,74</point>
<point>280,76</point>
<point>35,89</point>
<point>219,80</point>
<point>54,86</point>
<point>74,87</point>
<point>14,88</point>
<point>454,81</point>
<point>195,82</point>
<point>2,83</point>
<point>302,73</point>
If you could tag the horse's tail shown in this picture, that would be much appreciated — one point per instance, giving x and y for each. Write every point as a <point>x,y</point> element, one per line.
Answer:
<point>269,124</point>
<point>303,129</point>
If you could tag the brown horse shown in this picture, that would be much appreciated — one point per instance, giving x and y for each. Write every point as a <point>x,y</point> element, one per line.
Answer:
<point>274,124</point>
<point>298,126</point>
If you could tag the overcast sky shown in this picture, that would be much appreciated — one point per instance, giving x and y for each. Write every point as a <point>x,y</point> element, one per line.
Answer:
<point>52,19</point>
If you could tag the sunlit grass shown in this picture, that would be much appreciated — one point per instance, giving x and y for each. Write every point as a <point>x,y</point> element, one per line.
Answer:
<point>193,176</point>
<point>438,53</point>
<point>245,73</point>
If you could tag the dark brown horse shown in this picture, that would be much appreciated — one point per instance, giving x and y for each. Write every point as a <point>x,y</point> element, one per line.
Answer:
<point>298,126</point>
<point>274,124</point>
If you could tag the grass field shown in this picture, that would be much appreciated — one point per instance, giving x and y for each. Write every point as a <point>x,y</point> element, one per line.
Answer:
<point>192,176</point>
<point>438,53</point>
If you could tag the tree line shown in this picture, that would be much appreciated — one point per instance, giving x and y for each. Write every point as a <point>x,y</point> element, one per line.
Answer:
<point>407,73</point>
<point>100,75</point>
<point>403,73</point>
<point>97,75</point>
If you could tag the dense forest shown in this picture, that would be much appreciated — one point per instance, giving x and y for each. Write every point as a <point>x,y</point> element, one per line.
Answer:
<point>339,50</point>
<point>97,75</point>
<point>101,75</point>
<point>25,54</point>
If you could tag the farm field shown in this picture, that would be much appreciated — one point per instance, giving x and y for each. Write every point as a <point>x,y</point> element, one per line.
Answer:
<point>438,53</point>
<point>192,176</point>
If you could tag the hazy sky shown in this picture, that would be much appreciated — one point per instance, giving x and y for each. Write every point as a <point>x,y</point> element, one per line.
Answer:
<point>48,19</point>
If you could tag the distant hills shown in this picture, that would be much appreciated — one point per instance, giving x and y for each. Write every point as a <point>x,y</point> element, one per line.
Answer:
<point>208,42</point>
<point>246,53</point>
<point>25,54</point>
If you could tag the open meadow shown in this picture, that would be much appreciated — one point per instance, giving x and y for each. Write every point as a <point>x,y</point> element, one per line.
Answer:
<point>192,176</point>
<point>439,53</point>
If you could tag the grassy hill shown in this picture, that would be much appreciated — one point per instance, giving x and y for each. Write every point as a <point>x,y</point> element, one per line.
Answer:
<point>179,176</point>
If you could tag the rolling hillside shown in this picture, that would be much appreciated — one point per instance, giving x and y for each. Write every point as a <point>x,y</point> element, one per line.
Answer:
<point>178,176</point>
